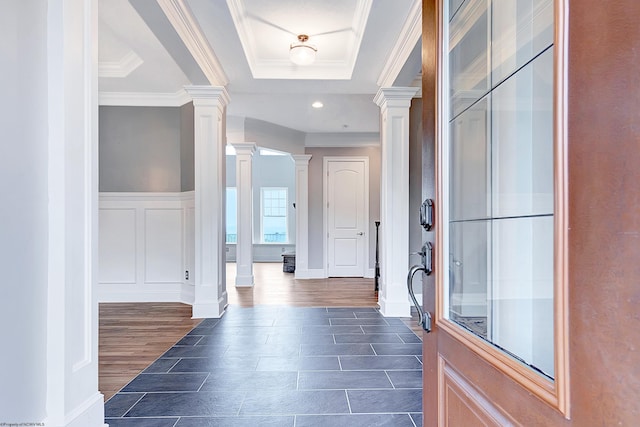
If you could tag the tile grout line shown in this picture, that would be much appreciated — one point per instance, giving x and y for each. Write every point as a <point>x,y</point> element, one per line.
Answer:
<point>131,407</point>
<point>204,381</point>
<point>348,402</point>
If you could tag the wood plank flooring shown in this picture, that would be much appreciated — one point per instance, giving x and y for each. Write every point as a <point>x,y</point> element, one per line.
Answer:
<point>133,335</point>
<point>273,287</point>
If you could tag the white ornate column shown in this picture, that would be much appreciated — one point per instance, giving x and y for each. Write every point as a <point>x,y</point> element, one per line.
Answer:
<point>302,214</point>
<point>244,185</point>
<point>71,98</point>
<point>394,106</point>
<point>210,258</point>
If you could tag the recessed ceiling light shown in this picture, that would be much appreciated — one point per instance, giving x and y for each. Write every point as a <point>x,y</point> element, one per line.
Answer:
<point>317,104</point>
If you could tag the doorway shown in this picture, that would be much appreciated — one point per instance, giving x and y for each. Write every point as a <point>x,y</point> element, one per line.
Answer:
<point>346,204</point>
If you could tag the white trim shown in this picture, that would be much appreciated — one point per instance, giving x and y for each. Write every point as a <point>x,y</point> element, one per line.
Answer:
<point>302,212</point>
<point>282,68</point>
<point>345,139</point>
<point>394,309</point>
<point>312,273</point>
<point>122,68</point>
<point>88,413</point>
<point>409,35</point>
<point>370,273</point>
<point>144,99</point>
<point>112,292</point>
<point>185,24</point>
<point>286,216</point>
<point>213,310</point>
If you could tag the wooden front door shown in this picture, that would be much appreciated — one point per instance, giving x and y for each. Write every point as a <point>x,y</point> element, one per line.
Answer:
<point>534,292</point>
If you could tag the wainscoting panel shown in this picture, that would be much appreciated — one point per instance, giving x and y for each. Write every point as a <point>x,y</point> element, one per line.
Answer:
<point>143,252</point>
<point>117,248</point>
<point>163,246</point>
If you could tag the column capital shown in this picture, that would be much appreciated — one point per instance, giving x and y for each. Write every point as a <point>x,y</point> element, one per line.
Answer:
<point>244,148</point>
<point>395,96</point>
<point>301,159</point>
<point>208,95</point>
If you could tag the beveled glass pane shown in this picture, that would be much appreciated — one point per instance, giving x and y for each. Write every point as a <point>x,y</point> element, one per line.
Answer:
<point>469,158</point>
<point>521,321</point>
<point>521,30</point>
<point>470,274</point>
<point>469,41</point>
<point>522,141</point>
<point>453,7</point>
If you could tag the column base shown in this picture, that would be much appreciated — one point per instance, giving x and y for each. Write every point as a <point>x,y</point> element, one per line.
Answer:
<point>244,281</point>
<point>394,308</point>
<point>209,310</point>
<point>89,413</point>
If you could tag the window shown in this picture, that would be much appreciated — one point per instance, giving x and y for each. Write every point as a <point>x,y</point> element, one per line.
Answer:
<point>274,215</point>
<point>232,215</point>
<point>499,244</point>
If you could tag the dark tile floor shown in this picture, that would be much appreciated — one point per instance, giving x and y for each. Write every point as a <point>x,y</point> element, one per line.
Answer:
<point>281,366</point>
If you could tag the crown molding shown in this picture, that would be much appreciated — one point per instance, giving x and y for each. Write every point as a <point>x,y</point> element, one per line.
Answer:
<point>144,99</point>
<point>122,68</point>
<point>409,36</point>
<point>181,18</point>
<point>344,139</point>
<point>284,69</point>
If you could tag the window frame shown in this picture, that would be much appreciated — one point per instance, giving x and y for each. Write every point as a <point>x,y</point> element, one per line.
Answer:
<point>554,392</point>
<point>286,215</point>
<point>226,234</point>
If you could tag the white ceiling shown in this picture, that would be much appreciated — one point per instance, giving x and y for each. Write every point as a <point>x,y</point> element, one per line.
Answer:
<point>151,49</point>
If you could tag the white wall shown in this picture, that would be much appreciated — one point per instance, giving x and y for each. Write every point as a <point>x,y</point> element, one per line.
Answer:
<point>23,235</point>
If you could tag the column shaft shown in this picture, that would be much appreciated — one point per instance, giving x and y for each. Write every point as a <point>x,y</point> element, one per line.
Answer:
<point>210,255</point>
<point>394,213</point>
<point>244,186</point>
<point>302,215</point>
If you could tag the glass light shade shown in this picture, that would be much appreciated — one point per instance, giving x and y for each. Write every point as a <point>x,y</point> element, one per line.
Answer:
<point>302,53</point>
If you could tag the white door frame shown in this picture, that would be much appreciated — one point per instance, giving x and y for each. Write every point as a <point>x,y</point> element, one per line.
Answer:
<point>325,199</point>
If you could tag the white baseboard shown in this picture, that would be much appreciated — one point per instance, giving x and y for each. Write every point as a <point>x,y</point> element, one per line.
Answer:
<point>394,308</point>
<point>88,414</point>
<point>211,310</point>
<point>176,292</point>
<point>312,273</point>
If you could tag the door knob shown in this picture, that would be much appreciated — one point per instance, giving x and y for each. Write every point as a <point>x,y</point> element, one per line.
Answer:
<point>361,234</point>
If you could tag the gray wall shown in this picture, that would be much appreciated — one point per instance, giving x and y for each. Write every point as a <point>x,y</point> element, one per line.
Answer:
<point>187,158</point>
<point>316,182</point>
<point>146,148</point>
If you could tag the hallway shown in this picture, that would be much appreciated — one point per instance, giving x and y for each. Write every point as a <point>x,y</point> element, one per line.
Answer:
<point>275,359</point>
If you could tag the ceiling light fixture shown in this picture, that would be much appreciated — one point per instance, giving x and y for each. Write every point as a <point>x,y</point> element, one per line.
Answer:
<point>302,53</point>
<point>317,104</point>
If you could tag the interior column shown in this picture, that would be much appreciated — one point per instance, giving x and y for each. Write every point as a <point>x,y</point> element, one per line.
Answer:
<point>302,214</point>
<point>209,104</point>
<point>244,185</point>
<point>394,106</point>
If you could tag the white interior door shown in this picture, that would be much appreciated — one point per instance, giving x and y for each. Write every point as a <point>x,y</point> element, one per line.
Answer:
<point>347,217</point>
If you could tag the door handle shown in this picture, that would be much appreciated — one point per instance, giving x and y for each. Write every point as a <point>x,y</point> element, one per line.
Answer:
<point>424,317</point>
<point>361,233</point>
